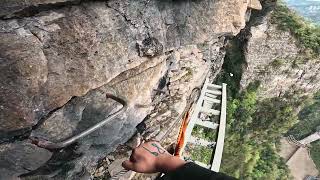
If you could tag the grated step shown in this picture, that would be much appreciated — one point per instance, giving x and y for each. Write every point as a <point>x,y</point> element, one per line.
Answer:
<point>214,92</point>
<point>214,86</point>
<point>210,95</point>
<point>202,142</point>
<point>211,99</point>
<point>210,111</point>
<point>207,124</point>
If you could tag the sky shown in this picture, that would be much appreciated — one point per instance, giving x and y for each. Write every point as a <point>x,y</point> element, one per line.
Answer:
<point>307,8</point>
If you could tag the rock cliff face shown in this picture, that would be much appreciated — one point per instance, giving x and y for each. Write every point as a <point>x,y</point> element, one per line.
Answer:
<point>275,58</point>
<point>58,58</point>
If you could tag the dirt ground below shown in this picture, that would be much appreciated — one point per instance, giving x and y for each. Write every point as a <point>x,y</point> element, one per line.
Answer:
<point>298,160</point>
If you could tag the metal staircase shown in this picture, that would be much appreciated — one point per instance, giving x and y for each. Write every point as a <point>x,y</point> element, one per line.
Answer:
<point>211,96</point>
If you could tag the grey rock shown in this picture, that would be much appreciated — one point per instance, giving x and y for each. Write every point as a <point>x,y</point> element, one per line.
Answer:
<point>115,167</point>
<point>9,8</point>
<point>83,112</point>
<point>134,142</point>
<point>20,158</point>
<point>150,47</point>
<point>74,49</point>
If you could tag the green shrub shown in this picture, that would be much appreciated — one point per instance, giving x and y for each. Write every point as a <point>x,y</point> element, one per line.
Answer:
<point>270,166</point>
<point>309,120</point>
<point>204,133</point>
<point>252,133</point>
<point>277,63</point>
<point>307,33</point>
<point>231,72</point>
<point>201,154</point>
<point>315,153</point>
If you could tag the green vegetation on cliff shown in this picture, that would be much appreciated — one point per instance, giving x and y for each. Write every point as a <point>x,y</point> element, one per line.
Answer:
<point>309,122</point>
<point>309,118</point>
<point>231,71</point>
<point>315,153</point>
<point>254,126</point>
<point>307,33</point>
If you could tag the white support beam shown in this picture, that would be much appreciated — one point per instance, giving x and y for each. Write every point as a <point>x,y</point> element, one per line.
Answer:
<point>221,133</point>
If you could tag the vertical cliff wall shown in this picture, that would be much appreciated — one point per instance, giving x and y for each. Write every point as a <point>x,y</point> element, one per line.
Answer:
<point>277,58</point>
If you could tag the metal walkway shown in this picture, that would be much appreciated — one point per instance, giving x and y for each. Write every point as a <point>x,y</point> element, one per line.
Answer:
<point>211,96</point>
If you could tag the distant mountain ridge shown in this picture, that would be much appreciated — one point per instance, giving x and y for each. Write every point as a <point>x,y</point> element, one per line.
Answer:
<point>307,8</point>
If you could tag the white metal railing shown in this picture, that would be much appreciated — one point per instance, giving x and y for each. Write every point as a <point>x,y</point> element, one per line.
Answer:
<point>215,166</point>
<point>211,94</point>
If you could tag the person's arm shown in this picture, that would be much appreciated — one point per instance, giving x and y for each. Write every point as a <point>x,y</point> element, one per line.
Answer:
<point>150,157</point>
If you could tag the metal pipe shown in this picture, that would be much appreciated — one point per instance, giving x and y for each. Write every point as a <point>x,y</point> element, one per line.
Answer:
<point>51,145</point>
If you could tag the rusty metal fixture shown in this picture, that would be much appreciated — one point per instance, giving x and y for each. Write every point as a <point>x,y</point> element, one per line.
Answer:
<point>59,145</point>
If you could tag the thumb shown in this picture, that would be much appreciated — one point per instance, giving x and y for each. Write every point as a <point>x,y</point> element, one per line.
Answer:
<point>128,165</point>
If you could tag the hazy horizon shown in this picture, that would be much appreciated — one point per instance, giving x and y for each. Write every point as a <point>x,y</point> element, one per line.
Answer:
<point>309,9</point>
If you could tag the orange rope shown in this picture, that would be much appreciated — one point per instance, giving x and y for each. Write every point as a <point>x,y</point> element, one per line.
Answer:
<point>182,133</point>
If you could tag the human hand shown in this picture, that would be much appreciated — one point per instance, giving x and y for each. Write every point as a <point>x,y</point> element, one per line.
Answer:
<point>151,157</point>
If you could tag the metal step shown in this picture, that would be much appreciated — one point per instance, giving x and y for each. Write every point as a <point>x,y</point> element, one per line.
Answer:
<point>207,124</point>
<point>202,142</point>
<point>210,95</point>
<point>214,86</point>
<point>207,104</point>
<point>214,92</point>
<point>210,111</point>
<point>211,99</point>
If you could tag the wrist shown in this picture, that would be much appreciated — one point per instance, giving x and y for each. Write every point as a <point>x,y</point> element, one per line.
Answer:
<point>169,163</point>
